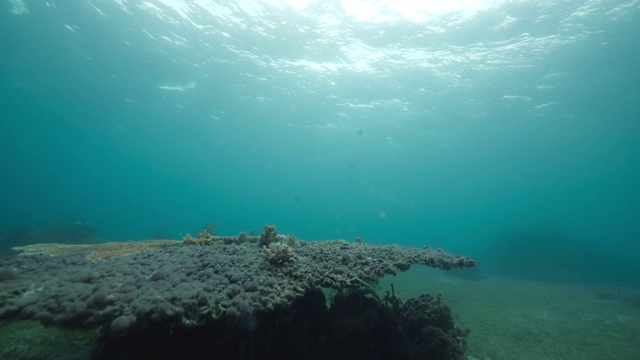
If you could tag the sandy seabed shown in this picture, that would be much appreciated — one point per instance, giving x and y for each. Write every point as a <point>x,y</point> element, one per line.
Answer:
<point>518,319</point>
<point>508,318</point>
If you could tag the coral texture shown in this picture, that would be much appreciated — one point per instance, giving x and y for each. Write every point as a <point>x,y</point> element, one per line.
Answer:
<point>178,285</point>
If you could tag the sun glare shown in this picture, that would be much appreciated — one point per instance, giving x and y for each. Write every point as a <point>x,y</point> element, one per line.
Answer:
<point>400,10</point>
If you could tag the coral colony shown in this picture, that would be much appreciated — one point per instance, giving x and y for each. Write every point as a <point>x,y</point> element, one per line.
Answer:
<point>234,297</point>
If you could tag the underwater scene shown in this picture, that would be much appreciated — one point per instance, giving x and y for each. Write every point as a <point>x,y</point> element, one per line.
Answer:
<point>319,179</point>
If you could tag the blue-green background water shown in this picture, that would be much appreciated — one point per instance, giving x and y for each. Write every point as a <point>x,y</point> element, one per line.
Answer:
<point>330,119</point>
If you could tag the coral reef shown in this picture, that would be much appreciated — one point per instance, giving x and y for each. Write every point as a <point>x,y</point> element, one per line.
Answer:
<point>269,235</point>
<point>206,236</point>
<point>430,329</point>
<point>354,326</point>
<point>94,252</point>
<point>243,237</point>
<point>278,254</point>
<point>67,232</point>
<point>234,283</point>
<point>392,300</point>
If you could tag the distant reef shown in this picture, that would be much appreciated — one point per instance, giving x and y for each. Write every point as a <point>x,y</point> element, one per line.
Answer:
<point>234,297</point>
<point>547,252</point>
<point>64,231</point>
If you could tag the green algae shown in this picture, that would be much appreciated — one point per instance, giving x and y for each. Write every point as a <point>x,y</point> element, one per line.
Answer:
<point>30,340</point>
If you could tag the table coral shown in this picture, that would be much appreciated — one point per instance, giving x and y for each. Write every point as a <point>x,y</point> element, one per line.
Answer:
<point>180,285</point>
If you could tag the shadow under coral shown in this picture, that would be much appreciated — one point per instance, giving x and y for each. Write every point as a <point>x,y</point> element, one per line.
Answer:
<point>355,326</point>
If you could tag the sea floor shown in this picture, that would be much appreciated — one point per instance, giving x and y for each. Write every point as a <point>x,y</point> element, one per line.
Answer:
<point>517,319</point>
<point>508,318</point>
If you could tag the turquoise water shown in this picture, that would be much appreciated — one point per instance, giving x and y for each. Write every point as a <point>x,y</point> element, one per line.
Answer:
<point>399,123</point>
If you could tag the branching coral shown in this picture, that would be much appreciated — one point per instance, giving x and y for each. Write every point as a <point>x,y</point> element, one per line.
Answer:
<point>205,236</point>
<point>269,235</point>
<point>278,254</point>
